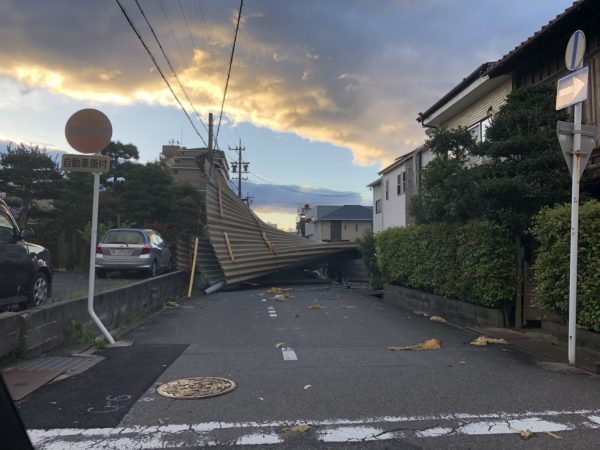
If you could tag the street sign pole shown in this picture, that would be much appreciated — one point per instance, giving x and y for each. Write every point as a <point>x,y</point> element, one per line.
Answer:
<point>92,272</point>
<point>574,231</point>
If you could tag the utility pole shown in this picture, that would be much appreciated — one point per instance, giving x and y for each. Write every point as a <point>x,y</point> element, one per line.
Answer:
<point>210,131</point>
<point>237,166</point>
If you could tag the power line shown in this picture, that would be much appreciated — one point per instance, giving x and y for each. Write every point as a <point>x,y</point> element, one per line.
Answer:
<point>171,67</point>
<point>187,26</point>
<point>158,68</point>
<point>237,27</point>
<point>183,59</point>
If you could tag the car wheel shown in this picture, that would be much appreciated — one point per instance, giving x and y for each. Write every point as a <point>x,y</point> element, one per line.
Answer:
<point>101,273</point>
<point>40,289</point>
<point>153,269</point>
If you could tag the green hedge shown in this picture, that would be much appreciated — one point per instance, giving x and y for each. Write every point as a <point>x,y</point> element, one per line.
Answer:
<point>474,262</point>
<point>552,231</point>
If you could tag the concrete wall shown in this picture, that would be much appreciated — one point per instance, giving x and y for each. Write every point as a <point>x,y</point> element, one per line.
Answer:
<point>583,338</point>
<point>453,311</point>
<point>37,330</point>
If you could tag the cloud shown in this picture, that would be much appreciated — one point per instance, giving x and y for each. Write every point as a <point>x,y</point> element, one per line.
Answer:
<point>351,73</point>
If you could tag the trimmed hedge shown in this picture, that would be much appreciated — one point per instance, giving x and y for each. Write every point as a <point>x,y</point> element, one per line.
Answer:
<point>474,262</point>
<point>552,230</point>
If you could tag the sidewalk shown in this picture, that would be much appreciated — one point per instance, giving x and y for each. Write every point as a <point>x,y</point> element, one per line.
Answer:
<point>536,342</point>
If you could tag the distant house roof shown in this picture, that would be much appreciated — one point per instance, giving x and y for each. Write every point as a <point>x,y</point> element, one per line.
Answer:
<point>349,212</point>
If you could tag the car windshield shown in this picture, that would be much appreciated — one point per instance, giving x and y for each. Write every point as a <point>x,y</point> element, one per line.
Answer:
<point>123,237</point>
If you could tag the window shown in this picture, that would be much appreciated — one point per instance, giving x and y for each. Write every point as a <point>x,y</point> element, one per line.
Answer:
<point>387,189</point>
<point>377,206</point>
<point>355,227</point>
<point>7,230</point>
<point>479,130</point>
<point>401,186</point>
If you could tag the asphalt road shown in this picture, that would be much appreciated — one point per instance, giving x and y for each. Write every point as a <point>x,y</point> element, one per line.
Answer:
<point>334,374</point>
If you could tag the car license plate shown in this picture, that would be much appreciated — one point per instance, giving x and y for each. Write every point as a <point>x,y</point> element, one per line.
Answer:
<point>120,252</point>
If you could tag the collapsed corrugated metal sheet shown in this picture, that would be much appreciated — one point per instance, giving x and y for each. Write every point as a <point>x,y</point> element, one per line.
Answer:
<point>246,248</point>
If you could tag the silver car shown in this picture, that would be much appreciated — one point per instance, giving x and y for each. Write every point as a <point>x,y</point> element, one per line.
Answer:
<point>133,249</point>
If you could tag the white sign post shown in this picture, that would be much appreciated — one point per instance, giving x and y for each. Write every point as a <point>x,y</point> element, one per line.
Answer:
<point>89,131</point>
<point>572,90</point>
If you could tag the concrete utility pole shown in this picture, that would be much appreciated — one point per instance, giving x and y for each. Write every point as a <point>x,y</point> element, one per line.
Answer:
<point>237,166</point>
<point>210,131</point>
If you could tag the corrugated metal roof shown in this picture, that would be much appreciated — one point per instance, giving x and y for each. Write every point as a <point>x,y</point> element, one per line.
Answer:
<point>247,248</point>
<point>349,212</point>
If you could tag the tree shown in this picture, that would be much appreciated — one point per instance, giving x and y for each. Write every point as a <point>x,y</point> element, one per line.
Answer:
<point>519,167</point>
<point>29,174</point>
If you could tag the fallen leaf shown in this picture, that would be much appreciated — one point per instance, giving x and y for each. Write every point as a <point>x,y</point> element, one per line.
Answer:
<point>484,340</point>
<point>288,431</point>
<point>554,435</point>
<point>308,386</point>
<point>316,306</point>
<point>438,319</point>
<point>526,434</point>
<point>431,344</point>
<point>279,345</point>
<point>349,307</point>
<point>276,290</point>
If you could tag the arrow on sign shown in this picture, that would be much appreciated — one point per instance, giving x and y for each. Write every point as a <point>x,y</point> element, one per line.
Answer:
<point>572,89</point>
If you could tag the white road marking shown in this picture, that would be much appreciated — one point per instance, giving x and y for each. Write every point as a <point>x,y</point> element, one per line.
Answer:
<point>289,354</point>
<point>328,430</point>
<point>272,312</point>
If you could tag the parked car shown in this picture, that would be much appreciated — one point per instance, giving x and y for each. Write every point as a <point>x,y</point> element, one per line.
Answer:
<point>136,249</point>
<point>25,270</point>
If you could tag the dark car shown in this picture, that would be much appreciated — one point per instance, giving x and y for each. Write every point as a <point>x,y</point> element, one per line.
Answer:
<point>25,271</point>
<point>138,249</point>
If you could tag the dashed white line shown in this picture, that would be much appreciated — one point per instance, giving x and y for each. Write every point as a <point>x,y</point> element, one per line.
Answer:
<point>289,354</point>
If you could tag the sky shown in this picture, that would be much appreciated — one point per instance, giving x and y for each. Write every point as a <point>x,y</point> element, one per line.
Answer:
<point>322,94</point>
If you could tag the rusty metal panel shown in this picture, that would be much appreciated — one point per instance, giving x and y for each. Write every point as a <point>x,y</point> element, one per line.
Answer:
<point>247,248</point>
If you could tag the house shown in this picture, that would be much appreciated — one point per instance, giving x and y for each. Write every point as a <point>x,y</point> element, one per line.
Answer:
<point>541,59</point>
<point>470,104</point>
<point>192,165</point>
<point>307,216</point>
<point>344,224</point>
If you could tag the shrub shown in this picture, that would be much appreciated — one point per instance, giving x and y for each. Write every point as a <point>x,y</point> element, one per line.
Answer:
<point>551,229</point>
<point>474,262</point>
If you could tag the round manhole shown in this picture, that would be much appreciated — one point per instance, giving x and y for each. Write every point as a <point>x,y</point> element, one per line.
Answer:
<point>196,387</point>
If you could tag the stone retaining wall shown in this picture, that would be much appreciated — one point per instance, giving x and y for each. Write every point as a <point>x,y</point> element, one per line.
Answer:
<point>452,310</point>
<point>31,332</point>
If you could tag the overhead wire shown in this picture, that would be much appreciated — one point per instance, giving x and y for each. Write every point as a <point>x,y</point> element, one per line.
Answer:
<point>139,36</point>
<point>237,27</point>
<point>173,71</point>
<point>183,58</point>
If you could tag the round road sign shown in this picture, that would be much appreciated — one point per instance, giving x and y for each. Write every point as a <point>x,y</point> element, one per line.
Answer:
<point>88,131</point>
<point>575,50</point>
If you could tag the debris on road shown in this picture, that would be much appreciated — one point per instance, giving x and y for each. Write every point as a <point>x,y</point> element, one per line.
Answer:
<point>296,429</point>
<point>276,290</point>
<point>171,304</point>
<point>280,345</point>
<point>484,340</point>
<point>438,319</point>
<point>431,344</point>
<point>308,386</point>
<point>316,306</point>
<point>526,434</point>
<point>349,307</point>
<point>553,435</point>
<point>281,297</point>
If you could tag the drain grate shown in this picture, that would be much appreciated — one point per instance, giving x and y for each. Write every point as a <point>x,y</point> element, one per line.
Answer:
<point>196,388</point>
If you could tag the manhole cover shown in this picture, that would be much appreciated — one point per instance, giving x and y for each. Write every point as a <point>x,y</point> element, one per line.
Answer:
<point>196,387</point>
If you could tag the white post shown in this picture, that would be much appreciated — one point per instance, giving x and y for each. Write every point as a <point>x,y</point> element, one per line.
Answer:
<point>574,231</point>
<point>92,273</point>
